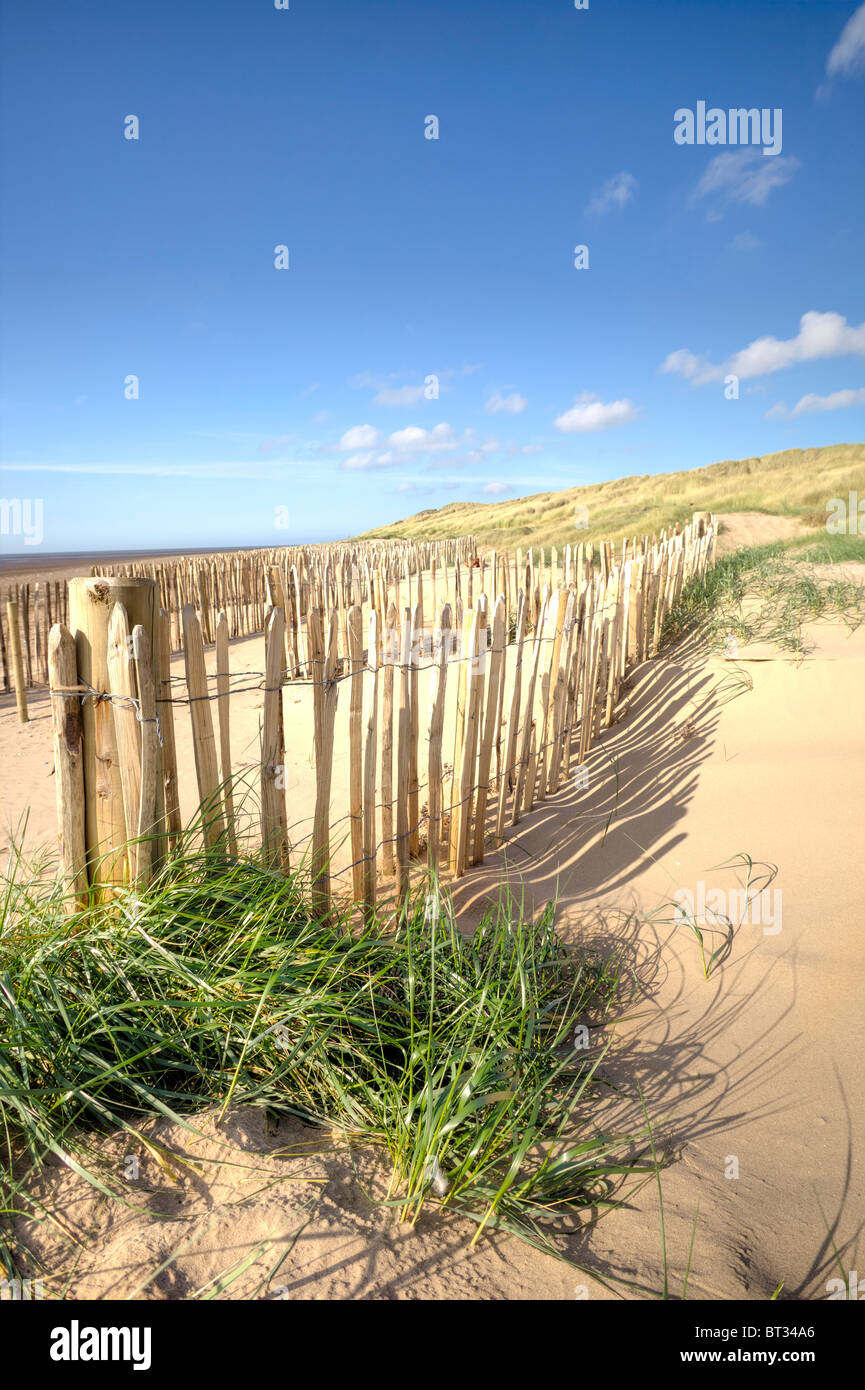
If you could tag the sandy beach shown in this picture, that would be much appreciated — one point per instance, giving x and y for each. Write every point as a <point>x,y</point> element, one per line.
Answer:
<point>750,1078</point>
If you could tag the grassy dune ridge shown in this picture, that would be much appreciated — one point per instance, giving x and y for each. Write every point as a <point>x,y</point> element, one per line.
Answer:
<point>794,483</point>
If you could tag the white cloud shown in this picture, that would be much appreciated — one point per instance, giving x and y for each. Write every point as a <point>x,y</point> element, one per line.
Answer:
<point>745,241</point>
<point>399,395</point>
<point>615,193</point>
<point>820,335</point>
<point>588,414</point>
<point>776,411</point>
<point>838,400</point>
<point>416,440</point>
<point>496,489</point>
<point>513,404</point>
<point>848,55</point>
<point>359,437</point>
<point>412,444</point>
<point>366,460</point>
<point>743,177</point>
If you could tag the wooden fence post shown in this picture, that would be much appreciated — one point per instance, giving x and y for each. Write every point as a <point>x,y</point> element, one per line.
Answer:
<point>148,853</point>
<point>402,759</point>
<point>507,772</point>
<point>352,627</point>
<point>436,726</point>
<point>204,745</point>
<point>164,708</point>
<point>68,764</point>
<point>127,730</point>
<point>17,660</point>
<point>369,759</point>
<point>323,656</point>
<point>90,604</point>
<point>390,657</point>
<point>274,825</point>
<point>490,723</point>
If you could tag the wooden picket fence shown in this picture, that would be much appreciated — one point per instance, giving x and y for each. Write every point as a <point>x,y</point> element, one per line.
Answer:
<point>242,584</point>
<point>538,672</point>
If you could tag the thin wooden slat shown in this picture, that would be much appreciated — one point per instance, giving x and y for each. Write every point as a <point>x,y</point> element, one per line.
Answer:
<point>520,789</point>
<point>490,724</point>
<point>165,710</point>
<point>203,743</point>
<point>465,787</point>
<point>370,721</point>
<point>354,631</point>
<point>436,725</point>
<point>223,710</point>
<point>17,660</point>
<point>127,731</point>
<point>508,772</point>
<point>68,766</point>
<point>457,791</point>
<point>323,654</point>
<point>391,657</point>
<point>147,850</point>
<point>274,820</point>
<point>414,728</point>
<point>402,758</point>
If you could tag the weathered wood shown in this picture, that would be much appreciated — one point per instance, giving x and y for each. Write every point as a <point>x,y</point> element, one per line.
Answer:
<point>68,766</point>
<point>508,771</point>
<point>323,654</point>
<point>369,759</point>
<point>390,659</point>
<point>523,790</point>
<point>203,743</point>
<point>355,746</point>
<point>402,761</point>
<point>127,730</point>
<point>165,711</point>
<point>274,819</point>
<point>490,726</point>
<point>17,660</point>
<point>436,725</point>
<point>223,709</point>
<point>148,818</point>
<point>414,727</point>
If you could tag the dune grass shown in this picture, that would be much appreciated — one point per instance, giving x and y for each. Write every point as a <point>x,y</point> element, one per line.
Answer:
<point>793,483</point>
<point>221,986</point>
<point>765,594</point>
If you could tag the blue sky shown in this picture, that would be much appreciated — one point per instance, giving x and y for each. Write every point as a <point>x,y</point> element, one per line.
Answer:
<point>285,404</point>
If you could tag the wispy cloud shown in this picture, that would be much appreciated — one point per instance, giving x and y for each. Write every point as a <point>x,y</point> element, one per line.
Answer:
<point>848,54</point>
<point>514,404</point>
<point>743,177</point>
<point>202,472</point>
<point>820,335</point>
<point>745,241</point>
<point>588,414</point>
<point>615,193</point>
<point>838,400</point>
<point>359,437</point>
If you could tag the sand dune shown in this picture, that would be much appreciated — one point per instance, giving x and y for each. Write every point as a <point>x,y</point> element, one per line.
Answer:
<point>755,1070</point>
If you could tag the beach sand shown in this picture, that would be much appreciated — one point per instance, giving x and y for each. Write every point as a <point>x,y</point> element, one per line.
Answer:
<point>752,1078</point>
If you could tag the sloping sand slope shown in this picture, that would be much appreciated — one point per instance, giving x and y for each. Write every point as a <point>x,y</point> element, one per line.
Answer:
<point>760,1064</point>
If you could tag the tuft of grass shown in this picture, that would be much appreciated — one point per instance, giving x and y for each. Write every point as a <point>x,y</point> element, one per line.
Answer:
<point>221,985</point>
<point>763,593</point>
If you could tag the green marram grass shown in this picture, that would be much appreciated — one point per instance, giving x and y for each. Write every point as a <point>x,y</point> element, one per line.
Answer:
<point>455,1055</point>
<point>767,594</point>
